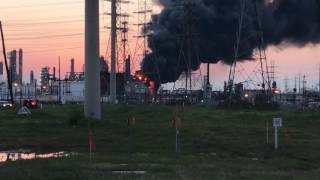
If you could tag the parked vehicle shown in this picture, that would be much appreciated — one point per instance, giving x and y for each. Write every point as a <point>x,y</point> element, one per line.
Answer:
<point>30,103</point>
<point>6,104</point>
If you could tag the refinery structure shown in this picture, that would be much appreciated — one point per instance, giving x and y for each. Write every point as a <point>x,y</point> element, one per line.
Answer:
<point>115,78</point>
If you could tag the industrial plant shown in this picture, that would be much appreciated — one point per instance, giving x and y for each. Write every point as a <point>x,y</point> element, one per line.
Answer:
<point>163,63</point>
<point>159,89</point>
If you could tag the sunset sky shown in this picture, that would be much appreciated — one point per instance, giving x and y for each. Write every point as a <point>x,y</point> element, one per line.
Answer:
<point>47,29</point>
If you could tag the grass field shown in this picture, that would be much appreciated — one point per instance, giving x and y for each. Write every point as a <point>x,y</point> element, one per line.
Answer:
<point>215,144</point>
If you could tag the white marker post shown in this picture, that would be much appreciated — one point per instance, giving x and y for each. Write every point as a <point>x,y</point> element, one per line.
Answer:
<point>277,123</point>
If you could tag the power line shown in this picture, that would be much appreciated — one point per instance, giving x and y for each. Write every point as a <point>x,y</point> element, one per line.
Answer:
<point>45,37</point>
<point>52,50</point>
<point>14,37</point>
<point>42,23</point>
<point>43,5</point>
<point>32,34</point>
<point>56,49</point>
<point>45,44</point>
<point>46,19</point>
<point>33,30</point>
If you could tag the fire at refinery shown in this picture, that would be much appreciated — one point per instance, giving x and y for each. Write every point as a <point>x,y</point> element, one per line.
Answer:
<point>139,76</point>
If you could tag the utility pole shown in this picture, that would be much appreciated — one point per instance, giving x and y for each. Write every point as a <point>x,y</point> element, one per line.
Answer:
<point>286,88</point>
<point>92,105</point>
<point>299,83</point>
<point>59,91</point>
<point>295,90</point>
<point>113,78</point>
<point>319,79</point>
<point>208,74</point>
<point>35,89</point>
<point>6,64</point>
<point>295,85</point>
<point>304,82</point>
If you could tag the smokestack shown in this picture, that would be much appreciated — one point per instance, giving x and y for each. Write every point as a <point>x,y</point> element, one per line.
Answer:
<point>13,66</point>
<point>72,72</point>
<point>1,68</point>
<point>128,68</point>
<point>54,73</point>
<point>1,71</point>
<point>20,65</point>
<point>72,66</point>
<point>31,77</point>
<point>208,74</point>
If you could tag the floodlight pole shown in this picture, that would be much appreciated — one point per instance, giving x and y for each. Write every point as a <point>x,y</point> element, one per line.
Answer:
<point>92,106</point>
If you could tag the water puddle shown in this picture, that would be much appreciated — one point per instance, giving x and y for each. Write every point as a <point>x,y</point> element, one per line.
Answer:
<point>130,172</point>
<point>7,156</point>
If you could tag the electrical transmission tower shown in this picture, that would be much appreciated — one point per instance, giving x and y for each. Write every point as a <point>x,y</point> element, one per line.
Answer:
<point>143,15</point>
<point>123,49</point>
<point>272,72</point>
<point>249,17</point>
<point>122,31</point>
<point>187,39</point>
<point>188,52</point>
<point>119,33</point>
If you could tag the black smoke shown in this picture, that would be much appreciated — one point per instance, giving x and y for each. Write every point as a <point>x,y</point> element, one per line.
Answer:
<point>213,31</point>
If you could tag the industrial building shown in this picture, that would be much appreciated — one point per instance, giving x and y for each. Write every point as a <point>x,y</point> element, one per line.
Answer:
<point>16,70</point>
<point>20,73</point>
<point>13,65</point>
<point>31,77</point>
<point>44,79</point>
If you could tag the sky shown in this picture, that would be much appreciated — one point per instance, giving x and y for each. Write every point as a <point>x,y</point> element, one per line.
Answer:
<point>48,29</point>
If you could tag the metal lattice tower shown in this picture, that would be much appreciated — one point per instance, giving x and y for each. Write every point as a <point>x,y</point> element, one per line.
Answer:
<point>122,33</point>
<point>188,49</point>
<point>187,39</point>
<point>249,16</point>
<point>143,13</point>
<point>122,40</point>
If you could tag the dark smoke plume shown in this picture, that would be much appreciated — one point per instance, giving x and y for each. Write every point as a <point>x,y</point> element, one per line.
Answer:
<point>212,33</point>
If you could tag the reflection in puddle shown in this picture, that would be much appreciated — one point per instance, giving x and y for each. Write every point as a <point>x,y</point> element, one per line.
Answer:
<point>25,155</point>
